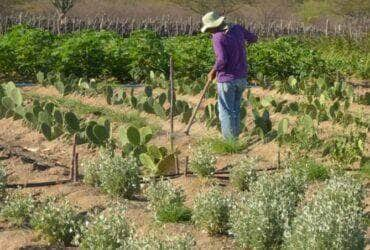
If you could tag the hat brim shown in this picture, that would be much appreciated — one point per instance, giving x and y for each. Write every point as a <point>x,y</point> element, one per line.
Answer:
<point>213,25</point>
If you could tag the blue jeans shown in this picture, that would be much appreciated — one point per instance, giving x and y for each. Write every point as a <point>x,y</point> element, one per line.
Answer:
<point>229,101</point>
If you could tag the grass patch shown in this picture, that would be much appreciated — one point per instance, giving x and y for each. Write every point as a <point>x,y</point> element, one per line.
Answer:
<point>132,117</point>
<point>223,146</point>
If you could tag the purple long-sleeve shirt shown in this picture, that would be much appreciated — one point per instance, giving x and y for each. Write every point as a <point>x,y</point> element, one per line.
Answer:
<point>231,58</point>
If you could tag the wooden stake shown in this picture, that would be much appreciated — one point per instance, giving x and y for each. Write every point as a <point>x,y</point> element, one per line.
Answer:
<point>75,175</point>
<point>73,158</point>
<point>172,104</point>
<point>186,165</point>
<point>172,136</point>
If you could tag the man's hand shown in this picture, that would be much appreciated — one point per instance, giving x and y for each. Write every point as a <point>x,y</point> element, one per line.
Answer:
<point>212,75</point>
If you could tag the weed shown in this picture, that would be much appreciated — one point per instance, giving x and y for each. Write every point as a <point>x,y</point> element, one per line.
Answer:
<point>167,202</point>
<point>203,161</point>
<point>261,216</point>
<point>120,177</point>
<point>211,211</point>
<point>332,220</point>
<point>58,222</point>
<point>309,169</point>
<point>153,242</point>
<point>18,210</point>
<point>243,174</point>
<point>3,181</point>
<point>108,230</point>
<point>225,146</point>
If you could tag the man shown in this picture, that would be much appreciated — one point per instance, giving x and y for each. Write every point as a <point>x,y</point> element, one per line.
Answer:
<point>230,68</point>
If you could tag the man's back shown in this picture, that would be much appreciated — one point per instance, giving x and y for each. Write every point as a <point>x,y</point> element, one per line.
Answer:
<point>229,46</point>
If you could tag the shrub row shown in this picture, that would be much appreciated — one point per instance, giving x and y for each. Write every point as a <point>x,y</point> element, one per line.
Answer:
<point>25,51</point>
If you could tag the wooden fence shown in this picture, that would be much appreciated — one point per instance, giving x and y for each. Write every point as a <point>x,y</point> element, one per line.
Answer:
<point>166,26</point>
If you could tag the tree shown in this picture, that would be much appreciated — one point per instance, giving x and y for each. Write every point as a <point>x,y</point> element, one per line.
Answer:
<point>62,7</point>
<point>203,6</point>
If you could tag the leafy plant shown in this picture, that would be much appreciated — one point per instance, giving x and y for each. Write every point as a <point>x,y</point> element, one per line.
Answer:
<point>262,216</point>
<point>120,177</point>
<point>58,222</point>
<point>146,54</point>
<point>202,161</point>
<point>346,148</point>
<point>157,160</point>
<point>243,174</point>
<point>108,230</point>
<point>153,242</point>
<point>332,220</point>
<point>167,202</point>
<point>225,146</point>
<point>211,211</point>
<point>18,210</point>
<point>134,140</point>
<point>3,181</point>
<point>24,51</point>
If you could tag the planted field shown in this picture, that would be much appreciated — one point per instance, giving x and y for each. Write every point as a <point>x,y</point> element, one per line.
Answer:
<point>93,155</point>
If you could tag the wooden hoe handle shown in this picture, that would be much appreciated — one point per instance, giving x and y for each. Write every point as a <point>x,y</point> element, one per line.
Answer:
<point>187,130</point>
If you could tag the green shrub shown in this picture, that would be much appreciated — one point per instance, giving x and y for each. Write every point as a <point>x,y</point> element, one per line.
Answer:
<point>346,148</point>
<point>120,177</point>
<point>93,168</point>
<point>146,53</point>
<point>211,211</point>
<point>332,220</point>
<point>108,230</point>
<point>57,222</point>
<point>285,56</point>
<point>25,51</point>
<point>191,55</point>
<point>261,216</point>
<point>243,174</point>
<point>202,161</point>
<point>18,210</point>
<point>3,181</point>
<point>309,169</point>
<point>153,242</point>
<point>167,202</point>
<point>91,54</point>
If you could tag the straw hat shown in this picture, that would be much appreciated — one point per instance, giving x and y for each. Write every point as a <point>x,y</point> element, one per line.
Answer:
<point>211,20</point>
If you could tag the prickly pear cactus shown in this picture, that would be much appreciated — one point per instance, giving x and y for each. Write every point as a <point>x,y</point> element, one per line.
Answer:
<point>72,123</point>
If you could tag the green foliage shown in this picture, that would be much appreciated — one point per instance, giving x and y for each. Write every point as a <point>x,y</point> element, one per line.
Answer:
<point>108,230</point>
<point>332,220</point>
<point>309,169</point>
<point>202,161</point>
<point>18,210</point>
<point>244,174</point>
<point>133,140</point>
<point>167,202</point>
<point>346,148</point>
<point>57,222</point>
<point>283,57</point>
<point>3,181</point>
<point>146,53</point>
<point>91,54</point>
<point>120,177</point>
<point>25,51</point>
<point>191,55</point>
<point>211,211</point>
<point>93,167</point>
<point>153,242</point>
<point>157,160</point>
<point>225,146</point>
<point>261,216</point>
